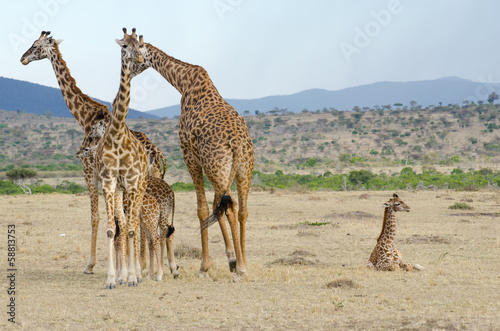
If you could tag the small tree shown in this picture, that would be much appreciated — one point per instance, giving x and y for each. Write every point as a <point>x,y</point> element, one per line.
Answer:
<point>492,97</point>
<point>19,176</point>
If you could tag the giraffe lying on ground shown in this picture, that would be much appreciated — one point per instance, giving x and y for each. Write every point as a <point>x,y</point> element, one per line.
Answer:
<point>87,112</point>
<point>215,142</point>
<point>164,202</point>
<point>385,256</point>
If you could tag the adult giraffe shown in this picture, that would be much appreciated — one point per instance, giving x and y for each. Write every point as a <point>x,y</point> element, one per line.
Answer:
<point>215,141</point>
<point>121,162</point>
<point>88,113</point>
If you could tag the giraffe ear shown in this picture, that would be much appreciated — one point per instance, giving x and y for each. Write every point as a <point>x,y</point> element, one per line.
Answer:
<point>119,42</point>
<point>58,41</point>
<point>387,204</point>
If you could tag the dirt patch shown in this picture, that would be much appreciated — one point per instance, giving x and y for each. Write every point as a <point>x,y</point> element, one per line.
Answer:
<point>351,215</point>
<point>293,261</point>
<point>302,253</point>
<point>342,283</point>
<point>302,233</point>
<point>476,214</point>
<point>418,239</point>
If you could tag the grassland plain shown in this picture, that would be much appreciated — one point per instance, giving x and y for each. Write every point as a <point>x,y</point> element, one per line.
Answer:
<point>306,267</point>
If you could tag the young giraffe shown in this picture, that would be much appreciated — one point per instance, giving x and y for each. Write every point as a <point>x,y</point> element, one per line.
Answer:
<point>385,256</point>
<point>165,203</point>
<point>121,162</point>
<point>215,141</point>
<point>87,112</point>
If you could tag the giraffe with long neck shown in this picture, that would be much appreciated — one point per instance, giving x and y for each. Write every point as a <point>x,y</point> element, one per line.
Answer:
<point>121,162</point>
<point>385,256</point>
<point>87,112</point>
<point>215,142</point>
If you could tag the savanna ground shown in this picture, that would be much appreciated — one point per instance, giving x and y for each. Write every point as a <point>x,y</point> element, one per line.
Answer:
<point>306,257</point>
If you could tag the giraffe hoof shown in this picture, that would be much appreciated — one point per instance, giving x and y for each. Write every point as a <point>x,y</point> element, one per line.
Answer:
<point>232,265</point>
<point>88,272</point>
<point>238,276</point>
<point>132,284</point>
<point>175,274</point>
<point>139,280</point>
<point>110,286</point>
<point>120,282</point>
<point>203,274</point>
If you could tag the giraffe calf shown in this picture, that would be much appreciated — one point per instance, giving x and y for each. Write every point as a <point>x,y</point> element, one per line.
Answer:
<point>385,256</point>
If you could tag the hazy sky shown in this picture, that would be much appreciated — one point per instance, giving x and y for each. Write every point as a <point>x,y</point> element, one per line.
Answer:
<point>258,48</point>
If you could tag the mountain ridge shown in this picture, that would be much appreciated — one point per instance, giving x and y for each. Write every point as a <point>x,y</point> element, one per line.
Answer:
<point>40,99</point>
<point>447,90</point>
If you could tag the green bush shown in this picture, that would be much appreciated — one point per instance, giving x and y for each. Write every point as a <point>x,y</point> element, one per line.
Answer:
<point>460,205</point>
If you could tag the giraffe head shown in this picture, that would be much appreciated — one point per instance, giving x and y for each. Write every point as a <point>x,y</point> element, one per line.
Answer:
<point>90,142</point>
<point>130,47</point>
<point>41,48</point>
<point>396,204</point>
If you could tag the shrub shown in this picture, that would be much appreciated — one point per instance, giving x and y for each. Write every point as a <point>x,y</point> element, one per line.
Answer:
<point>460,205</point>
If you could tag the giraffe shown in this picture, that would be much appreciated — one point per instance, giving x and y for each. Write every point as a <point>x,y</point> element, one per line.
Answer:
<point>164,202</point>
<point>215,141</point>
<point>164,194</point>
<point>121,163</point>
<point>385,256</point>
<point>158,189</point>
<point>87,112</point>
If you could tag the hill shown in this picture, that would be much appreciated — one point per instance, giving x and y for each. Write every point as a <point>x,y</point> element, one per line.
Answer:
<point>442,137</point>
<point>38,99</point>
<point>449,90</point>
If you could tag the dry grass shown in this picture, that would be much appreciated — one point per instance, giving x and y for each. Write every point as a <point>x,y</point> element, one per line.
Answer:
<point>313,280</point>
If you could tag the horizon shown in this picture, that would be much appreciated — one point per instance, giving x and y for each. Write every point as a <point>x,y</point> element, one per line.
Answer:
<point>252,50</point>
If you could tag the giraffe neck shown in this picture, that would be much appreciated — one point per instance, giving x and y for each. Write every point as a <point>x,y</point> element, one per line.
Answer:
<point>121,103</point>
<point>389,227</point>
<point>179,74</point>
<point>81,106</point>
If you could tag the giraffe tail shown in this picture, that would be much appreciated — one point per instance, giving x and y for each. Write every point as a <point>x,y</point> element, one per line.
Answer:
<point>161,157</point>
<point>171,228</point>
<point>224,203</point>
<point>226,200</point>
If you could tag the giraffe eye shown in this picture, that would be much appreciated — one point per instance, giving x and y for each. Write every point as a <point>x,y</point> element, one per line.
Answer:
<point>124,46</point>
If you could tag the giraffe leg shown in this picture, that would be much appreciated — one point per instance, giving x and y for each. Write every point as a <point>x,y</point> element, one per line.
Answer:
<point>137,259</point>
<point>398,259</point>
<point>117,255</point>
<point>143,249</point>
<point>227,241</point>
<point>159,261</point>
<point>232,213</point>
<point>122,236</point>
<point>110,232</point>
<point>203,213</point>
<point>91,181</point>
<point>243,185</point>
<point>151,257</point>
<point>171,256</point>
<point>134,206</point>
